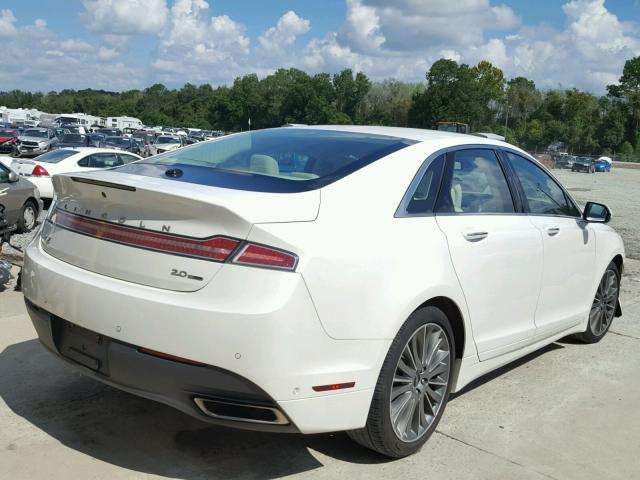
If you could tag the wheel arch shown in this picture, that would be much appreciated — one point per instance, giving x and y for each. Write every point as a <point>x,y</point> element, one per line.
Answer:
<point>454,315</point>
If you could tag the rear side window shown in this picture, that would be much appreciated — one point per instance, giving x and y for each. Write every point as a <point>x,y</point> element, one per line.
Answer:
<point>543,195</point>
<point>275,160</point>
<point>104,160</point>
<point>423,198</point>
<point>475,183</point>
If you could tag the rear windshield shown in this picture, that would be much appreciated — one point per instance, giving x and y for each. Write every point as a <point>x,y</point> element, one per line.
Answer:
<point>56,156</point>
<point>275,160</point>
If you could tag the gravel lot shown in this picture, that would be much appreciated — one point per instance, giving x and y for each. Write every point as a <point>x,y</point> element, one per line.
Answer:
<point>568,411</point>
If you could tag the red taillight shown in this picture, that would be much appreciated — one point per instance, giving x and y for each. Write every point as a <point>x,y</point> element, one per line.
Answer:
<point>216,248</point>
<point>39,171</point>
<point>261,256</point>
<point>333,386</point>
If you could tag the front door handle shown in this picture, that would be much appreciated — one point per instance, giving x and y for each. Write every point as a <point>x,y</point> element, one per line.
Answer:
<point>475,236</point>
<point>552,231</point>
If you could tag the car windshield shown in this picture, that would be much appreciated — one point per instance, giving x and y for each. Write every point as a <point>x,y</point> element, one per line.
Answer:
<point>56,156</point>
<point>97,136</point>
<point>73,138</point>
<point>6,133</point>
<point>275,160</point>
<point>35,133</point>
<point>167,140</point>
<point>116,141</point>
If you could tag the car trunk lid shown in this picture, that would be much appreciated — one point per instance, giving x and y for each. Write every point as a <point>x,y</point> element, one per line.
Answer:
<point>143,206</point>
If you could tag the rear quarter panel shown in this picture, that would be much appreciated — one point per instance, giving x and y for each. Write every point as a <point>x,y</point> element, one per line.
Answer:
<point>366,270</point>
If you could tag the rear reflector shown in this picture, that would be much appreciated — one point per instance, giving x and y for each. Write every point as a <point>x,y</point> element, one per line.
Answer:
<point>166,356</point>
<point>261,256</point>
<point>216,249</point>
<point>333,386</point>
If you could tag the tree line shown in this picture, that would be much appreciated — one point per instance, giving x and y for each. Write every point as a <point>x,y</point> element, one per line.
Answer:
<point>479,95</point>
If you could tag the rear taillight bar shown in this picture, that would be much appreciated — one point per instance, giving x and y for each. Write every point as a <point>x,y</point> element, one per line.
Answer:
<point>217,249</point>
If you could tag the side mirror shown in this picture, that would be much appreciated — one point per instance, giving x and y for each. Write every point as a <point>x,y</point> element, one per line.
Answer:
<point>596,213</point>
<point>13,177</point>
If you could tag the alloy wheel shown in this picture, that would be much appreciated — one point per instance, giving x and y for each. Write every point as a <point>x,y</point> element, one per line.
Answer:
<point>604,304</point>
<point>420,382</point>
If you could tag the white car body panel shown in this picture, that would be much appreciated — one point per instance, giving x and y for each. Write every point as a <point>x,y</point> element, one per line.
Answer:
<point>501,284</point>
<point>362,271</point>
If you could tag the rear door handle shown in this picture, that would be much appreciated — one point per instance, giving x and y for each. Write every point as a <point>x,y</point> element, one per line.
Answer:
<point>475,236</point>
<point>552,231</point>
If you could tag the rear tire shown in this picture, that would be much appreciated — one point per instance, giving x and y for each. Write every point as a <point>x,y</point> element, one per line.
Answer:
<point>603,308</point>
<point>409,399</point>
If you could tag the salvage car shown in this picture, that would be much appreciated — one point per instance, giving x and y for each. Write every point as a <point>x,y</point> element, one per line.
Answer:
<point>584,164</point>
<point>71,140</point>
<point>21,200</point>
<point>167,143</point>
<point>316,279</point>
<point>602,166</point>
<point>123,143</point>
<point>8,138</point>
<point>40,170</point>
<point>35,141</point>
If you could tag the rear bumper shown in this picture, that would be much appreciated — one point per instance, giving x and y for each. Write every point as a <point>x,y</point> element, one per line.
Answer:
<point>174,383</point>
<point>257,326</point>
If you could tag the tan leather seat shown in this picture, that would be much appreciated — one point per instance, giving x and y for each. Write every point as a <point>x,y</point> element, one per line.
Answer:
<point>456,197</point>
<point>264,164</point>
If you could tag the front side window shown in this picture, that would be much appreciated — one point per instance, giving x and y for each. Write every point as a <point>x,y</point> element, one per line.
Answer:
<point>475,183</point>
<point>543,195</point>
<point>4,174</point>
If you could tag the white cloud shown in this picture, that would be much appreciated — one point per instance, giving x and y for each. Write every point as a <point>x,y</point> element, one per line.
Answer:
<point>276,40</point>
<point>75,45</point>
<point>7,24</point>
<point>409,35</point>
<point>197,47</point>
<point>128,17</point>
<point>56,63</point>
<point>105,54</point>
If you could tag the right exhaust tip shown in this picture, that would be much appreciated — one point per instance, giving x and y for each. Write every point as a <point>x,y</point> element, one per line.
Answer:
<point>240,412</point>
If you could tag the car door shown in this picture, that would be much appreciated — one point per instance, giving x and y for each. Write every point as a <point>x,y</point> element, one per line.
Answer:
<point>569,247</point>
<point>495,250</point>
<point>12,195</point>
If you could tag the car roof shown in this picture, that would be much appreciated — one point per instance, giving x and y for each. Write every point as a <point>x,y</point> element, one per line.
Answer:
<point>436,138</point>
<point>89,150</point>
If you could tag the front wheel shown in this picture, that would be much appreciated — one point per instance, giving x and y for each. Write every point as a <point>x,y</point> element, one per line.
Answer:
<point>413,387</point>
<point>603,308</point>
<point>28,217</point>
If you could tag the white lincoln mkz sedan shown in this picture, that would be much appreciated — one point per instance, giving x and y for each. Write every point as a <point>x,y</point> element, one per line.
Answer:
<point>315,279</point>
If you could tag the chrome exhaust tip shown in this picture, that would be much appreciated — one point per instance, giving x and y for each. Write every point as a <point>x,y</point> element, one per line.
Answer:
<point>240,412</point>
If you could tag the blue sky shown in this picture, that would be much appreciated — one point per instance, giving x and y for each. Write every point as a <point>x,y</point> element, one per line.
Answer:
<point>122,44</point>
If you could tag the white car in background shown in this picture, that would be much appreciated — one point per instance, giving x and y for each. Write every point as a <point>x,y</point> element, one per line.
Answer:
<point>167,143</point>
<point>315,279</point>
<point>39,170</point>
